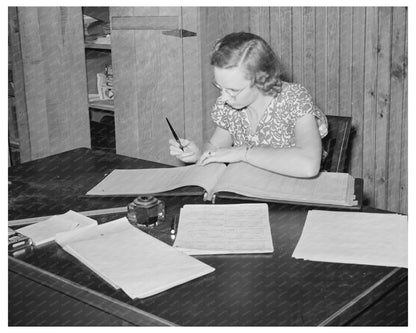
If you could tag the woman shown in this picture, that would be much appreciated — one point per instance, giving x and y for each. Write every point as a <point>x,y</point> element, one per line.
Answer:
<point>259,119</point>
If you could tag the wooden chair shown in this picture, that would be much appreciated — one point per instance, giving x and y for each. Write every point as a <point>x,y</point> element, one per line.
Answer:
<point>335,144</point>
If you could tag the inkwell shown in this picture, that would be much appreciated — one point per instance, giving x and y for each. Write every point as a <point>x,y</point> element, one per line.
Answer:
<point>146,211</point>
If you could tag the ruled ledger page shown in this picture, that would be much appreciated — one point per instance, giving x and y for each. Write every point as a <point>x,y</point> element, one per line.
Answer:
<point>326,188</point>
<point>156,180</point>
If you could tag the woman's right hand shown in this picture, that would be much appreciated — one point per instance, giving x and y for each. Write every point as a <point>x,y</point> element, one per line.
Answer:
<point>190,153</point>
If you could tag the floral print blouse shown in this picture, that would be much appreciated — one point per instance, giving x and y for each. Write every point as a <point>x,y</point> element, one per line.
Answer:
<point>277,126</point>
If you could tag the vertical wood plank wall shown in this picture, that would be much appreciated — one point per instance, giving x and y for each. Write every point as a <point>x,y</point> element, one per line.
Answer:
<point>51,90</point>
<point>353,60</point>
<point>157,75</point>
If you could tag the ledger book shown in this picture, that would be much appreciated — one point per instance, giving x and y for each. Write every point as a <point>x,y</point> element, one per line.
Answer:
<point>243,179</point>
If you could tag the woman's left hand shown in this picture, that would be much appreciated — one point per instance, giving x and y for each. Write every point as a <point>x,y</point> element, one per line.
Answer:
<point>224,155</point>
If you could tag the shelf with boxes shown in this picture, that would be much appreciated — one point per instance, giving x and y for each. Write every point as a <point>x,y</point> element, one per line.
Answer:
<point>97,36</point>
<point>97,42</point>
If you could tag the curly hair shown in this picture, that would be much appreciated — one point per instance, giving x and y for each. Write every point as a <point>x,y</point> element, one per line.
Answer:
<point>255,57</point>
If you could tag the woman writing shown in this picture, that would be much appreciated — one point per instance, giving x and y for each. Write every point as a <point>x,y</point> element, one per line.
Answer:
<point>259,119</point>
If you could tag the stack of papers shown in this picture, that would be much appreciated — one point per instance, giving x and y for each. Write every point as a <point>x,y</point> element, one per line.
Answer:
<point>130,259</point>
<point>354,238</point>
<point>224,229</point>
<point>45,231</point>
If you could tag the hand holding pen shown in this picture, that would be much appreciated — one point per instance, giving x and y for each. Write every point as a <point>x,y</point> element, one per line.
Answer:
<point>183,149</point>
<point>174,134</point>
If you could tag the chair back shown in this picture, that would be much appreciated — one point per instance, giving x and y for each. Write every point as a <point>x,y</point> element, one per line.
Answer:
<point>335,144</point>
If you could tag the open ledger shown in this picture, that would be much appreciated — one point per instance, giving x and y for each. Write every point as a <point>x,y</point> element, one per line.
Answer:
<point>130,259</point>
<point>328,188</point>
<point>224,229</point>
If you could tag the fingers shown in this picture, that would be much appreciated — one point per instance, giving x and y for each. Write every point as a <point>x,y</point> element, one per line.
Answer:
<point>177,152</point>
<point>207,157</point>
<point>184,142</point>
<point>189,154</point>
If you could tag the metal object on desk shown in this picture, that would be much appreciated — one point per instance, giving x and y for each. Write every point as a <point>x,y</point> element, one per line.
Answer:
<point>18,243</point>
<point>146,211</point>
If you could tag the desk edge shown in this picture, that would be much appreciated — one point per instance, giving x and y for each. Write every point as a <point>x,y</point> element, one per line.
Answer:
<point>105,303</point>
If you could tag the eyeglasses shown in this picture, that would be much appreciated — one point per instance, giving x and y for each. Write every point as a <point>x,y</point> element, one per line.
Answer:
<point>230,92</point>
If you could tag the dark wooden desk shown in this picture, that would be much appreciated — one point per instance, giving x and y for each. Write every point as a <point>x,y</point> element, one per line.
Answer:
<point>47,286</point>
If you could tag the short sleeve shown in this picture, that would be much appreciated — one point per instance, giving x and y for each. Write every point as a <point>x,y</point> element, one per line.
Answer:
<point>220,115</point>
<point>303,104</point>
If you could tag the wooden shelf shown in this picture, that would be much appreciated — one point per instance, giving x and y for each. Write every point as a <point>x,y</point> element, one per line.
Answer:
<point>96,46</point>
<point>107,105</point>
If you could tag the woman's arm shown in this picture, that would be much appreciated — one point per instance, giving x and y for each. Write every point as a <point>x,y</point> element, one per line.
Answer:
<point>220,139</point>
<point>302,160</point>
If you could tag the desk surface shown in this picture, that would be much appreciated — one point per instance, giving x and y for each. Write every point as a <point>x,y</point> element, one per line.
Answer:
<point>269,289</point>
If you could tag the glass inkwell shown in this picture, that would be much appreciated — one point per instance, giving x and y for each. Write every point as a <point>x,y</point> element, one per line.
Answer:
<point>146,211</point>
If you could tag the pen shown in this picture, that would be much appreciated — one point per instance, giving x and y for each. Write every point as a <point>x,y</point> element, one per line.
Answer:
<point>174,134</point>
<point>173,225</point>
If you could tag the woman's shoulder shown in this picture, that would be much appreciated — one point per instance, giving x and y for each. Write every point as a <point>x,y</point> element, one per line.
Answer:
<point>293,88</point>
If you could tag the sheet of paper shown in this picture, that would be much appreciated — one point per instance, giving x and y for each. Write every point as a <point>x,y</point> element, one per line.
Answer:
<point>130,259</point>
<point>354,238</point>
<point>45,231</point>
<point>149,181</point>
<point>223,229</point>
<point>326,188</point>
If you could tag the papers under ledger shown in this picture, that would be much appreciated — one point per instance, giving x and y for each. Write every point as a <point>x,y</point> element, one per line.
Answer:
<point>224,229</point>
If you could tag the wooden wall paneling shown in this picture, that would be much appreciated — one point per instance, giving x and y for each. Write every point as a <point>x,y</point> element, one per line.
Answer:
<point>206,86</point>
<point>286,42</point>
<point>168,100</point>
<point>345,61</point>
<point>321,58</point>
<point>308,51</point>
<point>404,156</point>
<point>34,80</point>
<point>357,91</point>
<point>396,107</point>
<point>57,86</point>
<point>241,19</point>
<point>404,149</point>
<point>19,86</point>
<point>383,106</point>
<point>225,20</point>
<point>76,94</point>
<point>147,76</point>
<point>191,49</point>
<point>54,81</point>
<point>333,41</point>
<point>370,105</point>
<point>260,22</point>
<point>214,23</point>
<point>126,115</point>
<point>158,78</point>
<point>297,46</point>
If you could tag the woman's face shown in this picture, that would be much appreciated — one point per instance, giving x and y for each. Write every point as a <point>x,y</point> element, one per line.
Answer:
<point>236,90</point>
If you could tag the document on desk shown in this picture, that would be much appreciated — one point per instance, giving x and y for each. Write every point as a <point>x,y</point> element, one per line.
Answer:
<point>45,231</point>
<point>354,238</point>
<point>130,259</point>
<point>224,229</point>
